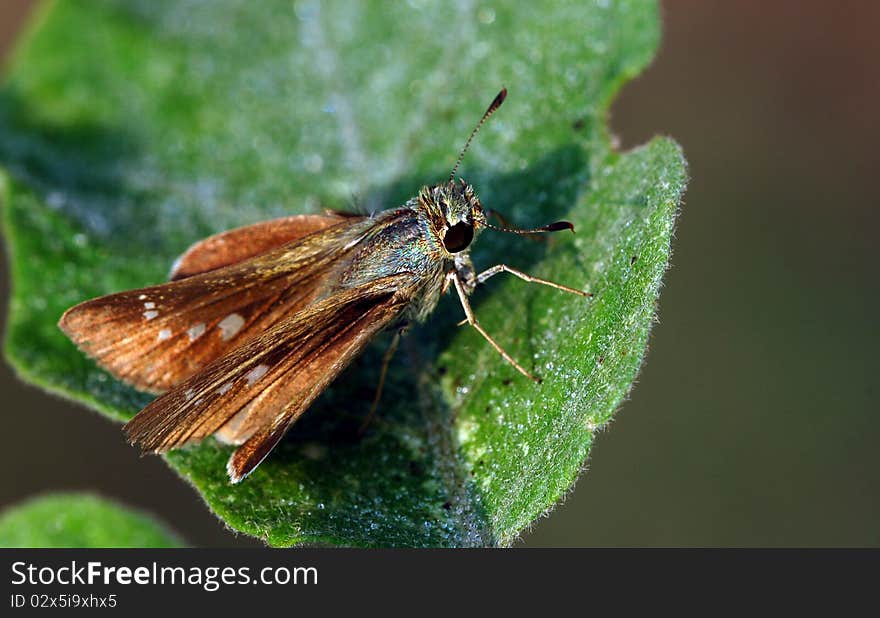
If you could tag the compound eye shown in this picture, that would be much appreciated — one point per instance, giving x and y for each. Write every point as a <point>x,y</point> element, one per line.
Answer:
<point>458,237</point>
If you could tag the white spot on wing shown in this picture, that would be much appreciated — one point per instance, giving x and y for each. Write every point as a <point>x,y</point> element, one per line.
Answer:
<point>149,315</point>
<point>256,373</point>
<point>230,325</point>
<point>142,297</point>
<point>149,305</point>
<point>196,331</point>
<point>164,334</point>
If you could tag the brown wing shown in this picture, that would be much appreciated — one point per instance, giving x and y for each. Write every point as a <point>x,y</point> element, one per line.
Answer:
<point>256,391</point>
<point>155,337</point>
<point>246,242</point>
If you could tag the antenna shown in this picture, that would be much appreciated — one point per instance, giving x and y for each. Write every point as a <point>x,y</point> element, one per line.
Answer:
<point>496,103</point>
<point>551,227</point>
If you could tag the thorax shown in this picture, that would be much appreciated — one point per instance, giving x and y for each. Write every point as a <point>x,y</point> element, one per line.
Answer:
<point>397,242</point>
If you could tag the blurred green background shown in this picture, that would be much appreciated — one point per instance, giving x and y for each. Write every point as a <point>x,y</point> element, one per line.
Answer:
<point>753,421</point>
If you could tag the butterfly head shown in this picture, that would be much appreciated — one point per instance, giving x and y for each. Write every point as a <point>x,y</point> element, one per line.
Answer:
<point>455,213</point>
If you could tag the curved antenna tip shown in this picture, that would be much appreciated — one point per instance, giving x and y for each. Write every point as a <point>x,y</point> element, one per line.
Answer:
<point>559,225</point>
<point>497,101</point>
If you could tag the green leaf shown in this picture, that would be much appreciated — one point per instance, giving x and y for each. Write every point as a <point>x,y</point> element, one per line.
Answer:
<point>80,520</point>
<point>131,129</point>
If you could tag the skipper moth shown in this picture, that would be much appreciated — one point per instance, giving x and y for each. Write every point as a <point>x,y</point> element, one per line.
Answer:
<point>257,321</point>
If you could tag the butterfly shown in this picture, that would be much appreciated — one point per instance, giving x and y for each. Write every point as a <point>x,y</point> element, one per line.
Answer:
<point>257,321</point>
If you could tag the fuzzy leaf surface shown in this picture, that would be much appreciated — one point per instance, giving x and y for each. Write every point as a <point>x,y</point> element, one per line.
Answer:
<point>82,521</point>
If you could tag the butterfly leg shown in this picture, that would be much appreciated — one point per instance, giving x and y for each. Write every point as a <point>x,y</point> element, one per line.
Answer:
<point>504,268</point>
<point>472,320</point>
<point>386,360</point>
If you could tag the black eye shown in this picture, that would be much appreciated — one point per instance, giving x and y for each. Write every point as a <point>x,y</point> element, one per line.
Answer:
<point>458,237</point>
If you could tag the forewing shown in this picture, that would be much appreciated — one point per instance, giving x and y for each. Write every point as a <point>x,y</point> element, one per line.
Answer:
<point>157,336</point>
<point>262,387</point>
<point>246,242</point>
